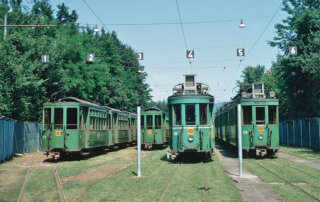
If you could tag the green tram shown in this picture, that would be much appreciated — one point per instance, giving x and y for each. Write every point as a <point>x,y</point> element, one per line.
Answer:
<point>191,119</point>
<point>260,123</point>
<point>153,128</point>
<point>72,126</point>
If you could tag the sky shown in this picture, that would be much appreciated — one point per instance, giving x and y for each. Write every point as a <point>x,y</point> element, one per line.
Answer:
<point>211,29</point>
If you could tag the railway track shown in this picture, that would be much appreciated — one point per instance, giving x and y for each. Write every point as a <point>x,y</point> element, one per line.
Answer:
<point>25,183</point>
<point>58,182</point>
<point>205,183</point>
<point>39,196</point>
<point>98,180</point>
<point>293,185</point>
<point>169,183</point>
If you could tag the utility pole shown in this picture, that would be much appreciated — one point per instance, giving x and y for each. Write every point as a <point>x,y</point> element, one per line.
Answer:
<point>239,140</point>
<point>139,141</point>
<point>5,26</point>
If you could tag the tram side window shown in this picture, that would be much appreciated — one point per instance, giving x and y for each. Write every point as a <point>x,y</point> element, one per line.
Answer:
<point>247,115</point>
<point>190,115</point>
<point>142,121</point>
<point>272,114</point>
<point>72,118</point>
<point>203,114</point>
<point>109,121</point>
<point>58,118</point>
<point>177,114</point>
<point>149,121</point>
<point>158,121</point>
<point>260,115</point>
<point>47,118</point>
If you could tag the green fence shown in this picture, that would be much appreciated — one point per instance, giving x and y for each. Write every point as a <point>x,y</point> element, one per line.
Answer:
<point>301,133</point>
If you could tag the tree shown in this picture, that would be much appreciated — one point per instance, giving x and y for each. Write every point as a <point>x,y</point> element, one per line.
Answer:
<point>26,83</point>
<point>251,75</point>
<point>297,77</point>
<point>63,15</point>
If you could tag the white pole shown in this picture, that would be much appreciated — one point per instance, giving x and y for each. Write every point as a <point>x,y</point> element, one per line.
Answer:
<point>139,141</point>
<point>239,140</point>
<point>5,26</point>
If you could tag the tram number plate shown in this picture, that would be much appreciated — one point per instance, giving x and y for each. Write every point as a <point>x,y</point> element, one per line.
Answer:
<point>190,131</point>
<point>58,133</point>
<point>149,132</point>
<point>260,128</point>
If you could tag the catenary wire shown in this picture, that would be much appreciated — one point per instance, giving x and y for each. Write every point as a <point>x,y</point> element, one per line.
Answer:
<point>254,44</point>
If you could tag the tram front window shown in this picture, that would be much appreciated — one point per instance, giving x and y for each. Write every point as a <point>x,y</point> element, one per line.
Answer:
<point>142,121</point>
<point>72,117</point>
<point>190,115</point>
<point>149,121</point>
<point>203,114</point>
<point>272,114</point>
<point>158,121</point>
<point>47,118</point>
<point>58,118</point>
<point>177,114</point>
<point>246,115</point>
<point>260,115</point>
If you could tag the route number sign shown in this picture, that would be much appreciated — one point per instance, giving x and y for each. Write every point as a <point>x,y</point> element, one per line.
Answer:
<point>240,52</point>
<point>91,57</point>
<point>139,56</point>
<point>293,50</point>
<point>190,53</point>
<point>45,58</point>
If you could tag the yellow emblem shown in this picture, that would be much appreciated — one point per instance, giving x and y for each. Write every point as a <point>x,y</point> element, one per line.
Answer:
<point>260,128</point>
<point>58,133</point>
<point>149,132</point>
<point>190,131</point>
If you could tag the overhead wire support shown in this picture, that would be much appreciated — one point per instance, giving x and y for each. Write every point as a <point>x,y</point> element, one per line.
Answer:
<point>254,44</point>
<point>92,11</point>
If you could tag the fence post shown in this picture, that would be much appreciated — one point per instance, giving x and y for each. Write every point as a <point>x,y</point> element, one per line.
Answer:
<point>319,131</point>
<point>294,133</point>
<point>287,133</point>
<point>301,133</point>
<point>309,135</point>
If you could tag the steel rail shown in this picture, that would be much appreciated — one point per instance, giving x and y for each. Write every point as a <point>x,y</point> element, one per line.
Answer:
<point>61,192</point>
<point>169,183</point>
<point>205,183</point>
<point>293,185</point>
<point>26,181</point>
<point>98,180</point>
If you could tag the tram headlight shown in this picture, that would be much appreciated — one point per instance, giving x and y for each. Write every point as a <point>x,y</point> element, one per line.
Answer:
<point>190,138</point>
<point>260,137</point>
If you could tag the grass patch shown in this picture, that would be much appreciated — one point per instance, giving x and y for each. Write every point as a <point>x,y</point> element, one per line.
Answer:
<point>305,177</point>
<point>122,185</point>
<point>305,153</point>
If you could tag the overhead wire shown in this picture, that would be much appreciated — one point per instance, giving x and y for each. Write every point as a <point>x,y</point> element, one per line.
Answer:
<point>92,11</point>
<point>253,45</point>
<point>183,34</point>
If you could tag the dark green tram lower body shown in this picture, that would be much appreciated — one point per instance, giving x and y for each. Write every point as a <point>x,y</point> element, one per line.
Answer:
<point>261,140</point>
<point>59,142</point>
<point>191,140</point>
<point>153,137</point>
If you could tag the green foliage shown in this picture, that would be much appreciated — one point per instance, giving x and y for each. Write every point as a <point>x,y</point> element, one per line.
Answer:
<point>297,77</point>
<point>162,105</point>
<point>26,83</point>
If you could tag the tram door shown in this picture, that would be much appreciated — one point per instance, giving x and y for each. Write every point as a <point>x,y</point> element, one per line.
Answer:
<point>260,129</point>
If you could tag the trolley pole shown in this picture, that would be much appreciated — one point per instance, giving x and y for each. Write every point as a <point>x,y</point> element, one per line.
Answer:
<point>239,140</point>
<point>139,140</point>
